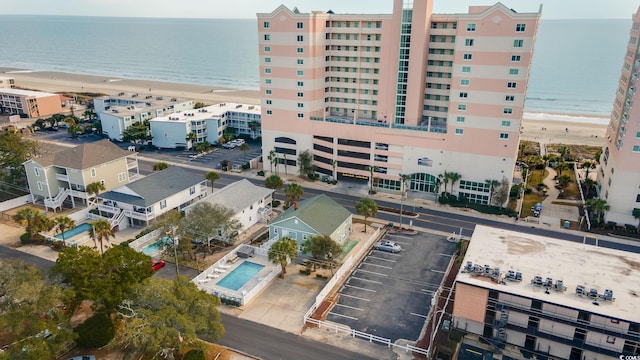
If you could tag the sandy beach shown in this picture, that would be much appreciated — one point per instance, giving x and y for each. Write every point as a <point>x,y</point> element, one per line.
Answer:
<point>541,127</point>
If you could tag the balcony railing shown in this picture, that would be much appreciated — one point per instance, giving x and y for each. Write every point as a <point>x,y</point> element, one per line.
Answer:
<point>62,177</point>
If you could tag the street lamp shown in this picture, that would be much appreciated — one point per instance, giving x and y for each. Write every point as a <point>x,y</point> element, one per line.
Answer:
<point>403,179</point>
<point>172,232</point>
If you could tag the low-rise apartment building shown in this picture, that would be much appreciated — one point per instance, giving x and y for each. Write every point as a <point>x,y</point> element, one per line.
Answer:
<point>31,104</point>
<point>7,82</point>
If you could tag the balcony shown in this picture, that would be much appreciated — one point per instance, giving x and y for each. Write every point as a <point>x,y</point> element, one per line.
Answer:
<point>62,177</point>
<point>132,164</point>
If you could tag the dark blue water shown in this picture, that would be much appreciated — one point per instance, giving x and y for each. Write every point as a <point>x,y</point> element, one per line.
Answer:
<point>575,68</point>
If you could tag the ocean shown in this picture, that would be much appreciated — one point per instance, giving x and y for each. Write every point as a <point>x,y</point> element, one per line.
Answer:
<point>575,68</point>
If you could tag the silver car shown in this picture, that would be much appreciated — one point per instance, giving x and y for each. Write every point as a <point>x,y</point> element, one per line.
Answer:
<point>388,246</point>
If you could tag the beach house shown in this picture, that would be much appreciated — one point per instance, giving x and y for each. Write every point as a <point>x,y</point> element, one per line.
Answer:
<point>63,176</point>
<point>30,104</point>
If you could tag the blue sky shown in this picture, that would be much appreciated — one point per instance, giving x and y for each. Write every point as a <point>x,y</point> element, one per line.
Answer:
<point>552,9</point>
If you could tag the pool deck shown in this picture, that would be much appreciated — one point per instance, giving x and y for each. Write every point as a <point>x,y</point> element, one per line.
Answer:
<point>215,273</point>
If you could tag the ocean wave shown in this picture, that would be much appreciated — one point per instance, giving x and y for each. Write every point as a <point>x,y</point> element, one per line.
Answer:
<point>575,118</point>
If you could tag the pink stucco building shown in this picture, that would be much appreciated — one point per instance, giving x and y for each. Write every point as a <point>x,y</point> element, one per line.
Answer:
<point>619,175</point>
<point>411,93</point>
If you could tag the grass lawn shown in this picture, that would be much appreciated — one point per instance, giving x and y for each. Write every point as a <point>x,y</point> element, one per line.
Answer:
<point>537,177</point>
<point>528,202</point>
<point>571,191</point>
<point>347,247</point>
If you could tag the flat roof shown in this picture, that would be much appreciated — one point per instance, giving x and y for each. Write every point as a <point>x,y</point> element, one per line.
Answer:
<point>21,92</point>
<point>237,196</point>
<point>208,112</point>
<point>573,263</point>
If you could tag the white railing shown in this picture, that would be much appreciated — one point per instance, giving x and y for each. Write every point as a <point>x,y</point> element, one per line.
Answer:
<point>584,203</point>
<point>268,244</point>
<point>117,219</point>
<point>57,200</point>
<point>139,243</point>
<point>80,215</point>
<point>246,298</point>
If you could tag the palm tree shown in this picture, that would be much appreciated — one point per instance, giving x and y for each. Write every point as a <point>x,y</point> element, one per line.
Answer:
<point>366,207</point>
<point>492,187</point>
<point>272,157</point>
<point>33,220</point>
<point>212,176</point>
<point>564,152</point>
<point>454,177</point>
<point>63,223</point>
<point>94,188</point>
<point>100,230</point>
<point>371,169</point>
<point>588,165</point>
<point>191,137</point>
<point>274,182</point>
<point>598,206</point>
<point>89,114</point>
<point>444,178</point>
<point>160,166</point>
<point>285,164</point>
<point>254,126</point>
<point>281,251</point>
<point>293,192</point>
<point>560,166</point>
<point>244,148</point>
<point>564,180</point>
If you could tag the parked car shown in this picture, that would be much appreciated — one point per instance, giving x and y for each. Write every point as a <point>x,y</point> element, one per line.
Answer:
<point>238,142</point>
<point>229,145</point>
<point>537,209</point>
<point>388,246</point>
<point>157,264</point>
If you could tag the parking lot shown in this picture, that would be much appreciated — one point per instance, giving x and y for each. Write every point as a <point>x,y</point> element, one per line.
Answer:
<point>389,294</point>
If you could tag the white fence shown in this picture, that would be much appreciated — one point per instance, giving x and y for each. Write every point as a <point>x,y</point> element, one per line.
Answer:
<point>80,215</point>
<point>268,244</point>
<point>584,203</point>
<point>139,243</point>
<point>13,203</point>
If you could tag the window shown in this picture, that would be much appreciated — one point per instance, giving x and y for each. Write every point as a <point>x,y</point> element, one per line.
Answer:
<point>268,102</point>
<point>267,59</point>
<point>468,56</point>
<point>463,94</point>
<point>507,111</point>
<point>509,98</point>
<point>267,49</point>
<point>462,107</point>
<point>192,190</point>
<point>299,25</point>
<point>513,71</point>
<point>267,71</point>
<point>267,81</point>
<point>275,231</point>
<point>267,37</point>
<point>300,83</point>
<point>93,172</point>
<point>299,50</point>
<point>611,340</point>
<point>511,85</point>
<point>163,204</point>
<point>269,112</point>
<point>460,119</point>
<point>471,27</point>
<point>459,131</point>
<point>636,149</point>
<point>300,94</point>
<point>300,72</point>
<point>300,105</point>
<point>521,27</point>
<point>300,115</point>
<point>266,24</point>
<point>464,82</point>
<point>504,136</point>
<point>468,42</point>
<point>36,171</point>
<point>466,69</point>
<point>506,123</point>
<point>121,177</point>
<point>518,43</point>
<point>300,38</point>
<point>268,91</point>
<point>515,58</point>
<point>638,135</point>
<point>40,187</point>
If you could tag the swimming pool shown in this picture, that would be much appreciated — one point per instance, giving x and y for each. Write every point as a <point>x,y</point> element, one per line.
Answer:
<point>240,275</point>
<point>154,248</point>
<point>75,231</point>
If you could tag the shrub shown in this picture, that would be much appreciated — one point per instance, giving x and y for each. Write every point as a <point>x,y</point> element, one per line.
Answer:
<point>97,331</point>
<point>246,166</point>
<point>194,354</point>
<point>261,173</point>
<point>58,245</point>
<point>333,182</point>
<point>275,203</point>
<point>25,238</point>
<point>305,271</point>
<point>320,276</point>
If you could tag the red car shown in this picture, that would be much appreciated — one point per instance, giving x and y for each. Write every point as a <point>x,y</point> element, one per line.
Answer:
<point>157,264</point>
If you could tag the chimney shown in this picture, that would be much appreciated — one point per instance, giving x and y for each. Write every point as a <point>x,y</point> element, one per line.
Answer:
<point>295,205</point>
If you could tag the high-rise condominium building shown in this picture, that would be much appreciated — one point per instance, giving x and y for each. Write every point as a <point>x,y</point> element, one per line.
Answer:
<point>411,93</point>
<point>619,175</point>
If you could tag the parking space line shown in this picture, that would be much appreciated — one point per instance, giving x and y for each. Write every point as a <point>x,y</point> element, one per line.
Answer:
<point>447,255</point>
<point>382,266</point>
<point>400,236</point>
<point>359,288</point>
<point>379,258</point>
<point>414,314</point>
<point>371,281</point>
<point>437,271</point>
<point>349,307</point>
<point>386,252</point>
<point>372,272</point>
<point>355,297</point>
<point>344,316</point>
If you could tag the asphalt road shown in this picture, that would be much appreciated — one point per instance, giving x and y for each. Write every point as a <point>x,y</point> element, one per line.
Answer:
<point>42,264</point>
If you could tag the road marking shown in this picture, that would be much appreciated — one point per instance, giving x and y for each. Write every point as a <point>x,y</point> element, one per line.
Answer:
<point>345,316</point>
<point>400,236</point>
<point>354,297</point>
<point>446,255</point>
<point>371,281</point>
<point>437,271</point>
<point>379,258</point>
<point>349,307</point>
<point>382,266</point>
<point>388,253</point>
<point>414,314</point>
<point>359,288</point>
<point>401,242</point>
<point>371,272</point>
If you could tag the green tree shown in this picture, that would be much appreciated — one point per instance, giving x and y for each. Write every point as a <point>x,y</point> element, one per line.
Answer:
<point>63,223</point>
<point>198,105</point>
<point>94,188</point>
<point>454,177</point>
<point>492,187</point>
<point>191,139</point>
<point>136,133</point>
<point>89,114</point>
<point>371,169</point>
<point>227,134</point>
<point>244,148</point>
<point>293,193</point>
<point>160,166</point>
<point>32,318</point>
<point>561,166</point>
<point>273,182</point>
<point>100,231</point>
<point>501,194</point>
<point>366,207</point>
<point>564,152</point>
<point>202,147</point>
<point>564,181</point>
<point>204,220</point>
<point>588,165</point>
<point>445,178</point>
<point>254,126</point>
<point>14,151</point>
<point>305,164</point>
<point>212,176</point>
<point>33,220</point>
<point>166,317</point>
<point>273,158</point>
<point>106,279</point>
<point>597,206</point>
<point>74,130</point>
<point>281,251</point>
<point>323,249</point>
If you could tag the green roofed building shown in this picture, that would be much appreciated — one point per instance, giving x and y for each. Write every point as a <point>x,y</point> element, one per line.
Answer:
<point>319,215</point>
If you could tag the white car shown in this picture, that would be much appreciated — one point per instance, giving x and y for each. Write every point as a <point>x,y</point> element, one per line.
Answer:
<point>388,246</point>
<point>238,142</point>
<point>229,145</point>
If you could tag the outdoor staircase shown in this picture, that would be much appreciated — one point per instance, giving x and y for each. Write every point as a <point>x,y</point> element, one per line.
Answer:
<point>500,336</point>
<point>117,219</point>
<point>58,200</point>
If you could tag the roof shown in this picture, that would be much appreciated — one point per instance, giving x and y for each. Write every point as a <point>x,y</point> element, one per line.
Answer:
<point>320,212</point>
<point>84,156</point>
<point>155,187</point>
<point>573,263</point>
<point>208,112</point>
<point>20,92</point>
<point>237,196</point>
